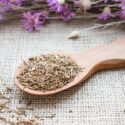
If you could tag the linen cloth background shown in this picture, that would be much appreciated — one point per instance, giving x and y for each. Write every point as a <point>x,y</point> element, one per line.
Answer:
<point>98,101</point>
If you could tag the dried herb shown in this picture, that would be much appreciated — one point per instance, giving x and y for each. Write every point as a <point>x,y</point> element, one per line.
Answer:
<point>70,111</point>
<point>3,96</point>
<point>6,120</point>
<point>48,72</point>
<point>25,121</point>
<point>8,89</point>
<point>50,116</point>
<point>18,116</point>
<point>3,106</point>
<point>29,102</point>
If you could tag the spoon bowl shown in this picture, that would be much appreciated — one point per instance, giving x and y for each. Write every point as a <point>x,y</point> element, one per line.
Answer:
<point>103,57</point>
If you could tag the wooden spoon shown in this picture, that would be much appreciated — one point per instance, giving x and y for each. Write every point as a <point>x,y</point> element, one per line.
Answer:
<point>100,58</point>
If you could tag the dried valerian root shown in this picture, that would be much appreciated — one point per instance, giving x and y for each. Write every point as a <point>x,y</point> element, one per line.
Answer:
<point>50,116</point>
<point>5,101</point>
<point>8,89</point>
<point>48,72</point>
<point>4,105</point>
<point>16,116</point>
<point>16,119</point>
<point>70,111</point>
<point>6,120</point>
<point>3,96</point>
<point>25,108</point>
<point>22,110</point>
<point>28,121</point>
<point>25,121</point>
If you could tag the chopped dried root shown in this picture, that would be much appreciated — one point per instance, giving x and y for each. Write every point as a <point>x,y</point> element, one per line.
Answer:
<point>48,72</point>
<point>3,96</point>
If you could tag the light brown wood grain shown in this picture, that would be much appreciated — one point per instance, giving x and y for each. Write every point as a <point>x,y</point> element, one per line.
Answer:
<point>99,58</point>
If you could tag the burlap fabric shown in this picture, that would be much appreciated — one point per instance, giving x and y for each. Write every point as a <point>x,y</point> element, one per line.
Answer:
<point>98,101</point>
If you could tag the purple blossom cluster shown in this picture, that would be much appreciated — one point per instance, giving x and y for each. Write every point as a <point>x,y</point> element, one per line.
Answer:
<point>61,9</point>
<point>107,14</point>
<point>34,20</point>
<point>34,15</point>
<point>12,2</point>
<point>122,11</point>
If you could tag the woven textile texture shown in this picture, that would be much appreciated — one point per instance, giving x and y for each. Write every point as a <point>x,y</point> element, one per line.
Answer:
<point>98,101</point>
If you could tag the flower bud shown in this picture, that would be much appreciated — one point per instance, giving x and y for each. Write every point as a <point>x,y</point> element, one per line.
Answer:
<point>107,10</point>
<point>86,4</point>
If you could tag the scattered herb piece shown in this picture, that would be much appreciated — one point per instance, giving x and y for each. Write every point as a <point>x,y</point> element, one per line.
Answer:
<point>3,97</point>
<point>50,116</point>
<point>6,120</point>
<point>29,103</point>
<point>3,106</point>
<point>25,121</point>
<point>16,116</point>
<point>21,112</point>
<point>20,101</point>
<point>70,111</point>
<point>25,108</point>
<point>8,89</point>
<point>124,111</point>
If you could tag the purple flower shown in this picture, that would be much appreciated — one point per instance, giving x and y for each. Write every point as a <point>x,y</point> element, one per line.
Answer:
<point>3,11</point>
<point>67,14</point>
<point>105,15</point>
<point>12,2</point>
<point>1,17</point>
<point>122,4</point>
<point>55,6</point>
<point>121,14</point>
<point>33,21</point>
<point>61,9</point>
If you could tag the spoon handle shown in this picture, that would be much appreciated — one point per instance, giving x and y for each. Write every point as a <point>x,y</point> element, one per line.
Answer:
<point>111,56</point>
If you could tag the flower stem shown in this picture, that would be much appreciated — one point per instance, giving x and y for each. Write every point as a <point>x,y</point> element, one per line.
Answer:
<point>104,25</point>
